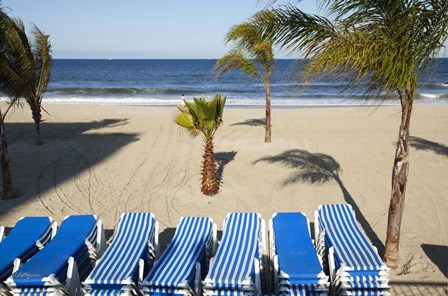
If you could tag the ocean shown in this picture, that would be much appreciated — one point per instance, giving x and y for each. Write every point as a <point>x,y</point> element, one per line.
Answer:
<point>163,82</point>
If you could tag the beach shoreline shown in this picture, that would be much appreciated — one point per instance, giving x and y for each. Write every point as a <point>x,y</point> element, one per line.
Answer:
<point>109,159</point>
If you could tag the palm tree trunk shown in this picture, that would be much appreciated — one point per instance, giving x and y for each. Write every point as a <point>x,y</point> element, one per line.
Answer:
<point>399,180</point>
<point>6,173</point>
<point>37,117</point>
<point>267,136</point>
<point>209,181</point>
<point>38,137</point>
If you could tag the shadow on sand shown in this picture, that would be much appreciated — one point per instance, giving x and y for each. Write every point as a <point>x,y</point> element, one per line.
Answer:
<point>251,122</point>
<point>222,159</point>
<point>68,150</point>
<point>418,288</point>
<point>438,255</point>
<point>426,145</point>
<point>318,168</point>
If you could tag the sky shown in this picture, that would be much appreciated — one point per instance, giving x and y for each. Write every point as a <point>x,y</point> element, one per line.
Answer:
<point>138,28</point>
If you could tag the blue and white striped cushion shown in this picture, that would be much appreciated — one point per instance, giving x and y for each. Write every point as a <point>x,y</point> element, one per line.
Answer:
<point>229,293</point>
<point>297,291</point>
<point>234,260</point>
<point>40,291</point>
<point>364,292</point>
<point>111,292</point>
<point>350,245</point>
<point>188,246</point>
<point>120,261</point>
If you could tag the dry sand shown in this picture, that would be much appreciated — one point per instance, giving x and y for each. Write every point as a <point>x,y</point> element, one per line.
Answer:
<point>110,159</point>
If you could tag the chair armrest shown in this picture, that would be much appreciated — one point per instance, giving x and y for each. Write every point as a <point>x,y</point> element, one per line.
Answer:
<point>16,265</point>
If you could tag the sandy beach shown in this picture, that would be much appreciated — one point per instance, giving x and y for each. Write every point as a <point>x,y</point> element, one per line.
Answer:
<point>112,159</point>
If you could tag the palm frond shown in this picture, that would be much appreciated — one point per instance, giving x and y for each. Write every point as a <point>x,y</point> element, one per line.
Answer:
<point>201,115</point>
<point>384,43</point>
<point>252,51</point>
<point>293,29</point>
<point>187,121</point>
<point>17,74</point>
<point>244,36</point>
<point>236,59</point>
<point>43,61</point>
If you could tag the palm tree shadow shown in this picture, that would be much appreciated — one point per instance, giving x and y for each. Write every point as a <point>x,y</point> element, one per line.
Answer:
<point>251,122</point>
<point>69,149</point>
<point>438,255</point>
<point>110,122</point>
<point>222,159</point>
<point>319,168</point>
<point>426,145</point>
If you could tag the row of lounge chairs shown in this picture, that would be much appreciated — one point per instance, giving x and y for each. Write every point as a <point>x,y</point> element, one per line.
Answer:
<point>72,260</point>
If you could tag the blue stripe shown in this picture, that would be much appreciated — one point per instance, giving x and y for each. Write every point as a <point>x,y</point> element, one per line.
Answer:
<point>120,261</point>
<point>234,260</point>
<point>177,263</point>
<point>350,244</point>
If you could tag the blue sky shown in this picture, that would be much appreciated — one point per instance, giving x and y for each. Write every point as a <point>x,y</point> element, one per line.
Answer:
<point>137,28</point>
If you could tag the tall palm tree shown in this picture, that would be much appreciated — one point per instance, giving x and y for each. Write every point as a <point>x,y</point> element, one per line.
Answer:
<point>202,116</point>
<point>386,44</point>
<point>253,55</point>
<point>4,159</point>
<point>25,67</point>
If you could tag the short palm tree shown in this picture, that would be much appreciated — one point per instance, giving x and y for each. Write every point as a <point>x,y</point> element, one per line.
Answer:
<point>202,116</point>
<point>25,67</point>
<point>253,55</point>
<point>386,44</point>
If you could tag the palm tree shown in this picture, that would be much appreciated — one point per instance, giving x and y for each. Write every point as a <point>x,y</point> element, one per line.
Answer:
<point>253,55</point>
<point>202,116</point>
<point>25,67</point>
<point>4,159</point>
<point>384,44</point>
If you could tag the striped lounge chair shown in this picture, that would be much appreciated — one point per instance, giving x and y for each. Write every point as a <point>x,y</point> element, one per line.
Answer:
<point>59,267</point>
<point>297,267</point>
<point>183,264</point>
<point>128,258</point>
<point>354,264</point>
<point>237,266</point>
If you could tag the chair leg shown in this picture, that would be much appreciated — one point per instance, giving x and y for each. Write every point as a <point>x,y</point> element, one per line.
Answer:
<point>141,269</point>
<point>73,283</point>
<point>257,277</point>
<point>197,281</point>
<point>331,263</point>
<point>316,228</point>
<point>100,238</point>
<point>215,239</point>
<point>156,240</point>
<point>2,233</point>
<point>275,263</point>
<point>270,267</point>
